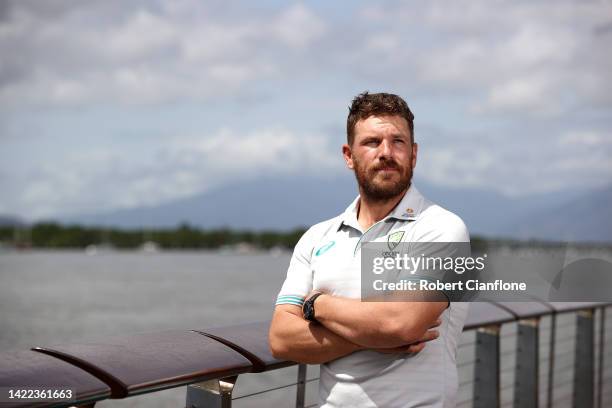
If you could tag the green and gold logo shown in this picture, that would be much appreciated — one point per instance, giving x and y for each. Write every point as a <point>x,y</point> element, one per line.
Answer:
<point>394,239</point>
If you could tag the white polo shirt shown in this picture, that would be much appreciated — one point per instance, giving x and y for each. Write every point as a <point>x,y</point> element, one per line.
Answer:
<point>327,258</point>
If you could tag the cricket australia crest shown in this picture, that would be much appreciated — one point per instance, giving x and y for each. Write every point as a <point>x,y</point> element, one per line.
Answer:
<point>394,239</point>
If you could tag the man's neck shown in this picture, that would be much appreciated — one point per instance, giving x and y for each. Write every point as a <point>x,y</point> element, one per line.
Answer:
<point>372,211</point>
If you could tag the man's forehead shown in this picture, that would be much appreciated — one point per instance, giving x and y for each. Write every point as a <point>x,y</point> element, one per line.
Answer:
<point>385,123</point>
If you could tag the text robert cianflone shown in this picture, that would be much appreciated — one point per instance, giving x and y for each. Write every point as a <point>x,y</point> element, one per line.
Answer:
<point>414,263</point>
<point>470,284</point>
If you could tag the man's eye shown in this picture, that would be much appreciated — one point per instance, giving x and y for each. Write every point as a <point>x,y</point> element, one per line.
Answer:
<point>401,141</point>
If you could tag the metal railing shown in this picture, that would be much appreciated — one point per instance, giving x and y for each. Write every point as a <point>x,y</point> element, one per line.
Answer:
<point>508,357</point>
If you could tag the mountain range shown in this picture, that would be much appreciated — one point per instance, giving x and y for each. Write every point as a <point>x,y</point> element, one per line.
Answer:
<point>11,221</point>
<point>286,203</point>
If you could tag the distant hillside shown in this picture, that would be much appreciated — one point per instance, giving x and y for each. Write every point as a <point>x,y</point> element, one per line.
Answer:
<point>11,221</point>
<point>280,204</point>
<point>587,218</point>
<point>488,212</point>
<point>283,204</point>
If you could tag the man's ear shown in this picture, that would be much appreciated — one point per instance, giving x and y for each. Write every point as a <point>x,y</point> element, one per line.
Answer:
<point>348,156</point>
<point>415,150</point>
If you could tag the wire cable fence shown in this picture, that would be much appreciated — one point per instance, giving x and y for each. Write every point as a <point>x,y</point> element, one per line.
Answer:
<point>556,339</point>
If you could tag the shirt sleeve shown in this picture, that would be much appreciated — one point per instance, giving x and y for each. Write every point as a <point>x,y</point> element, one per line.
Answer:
<point>298,282</point>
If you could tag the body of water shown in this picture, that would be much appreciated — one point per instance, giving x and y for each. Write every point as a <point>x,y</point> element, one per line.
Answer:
<point>54,297</point>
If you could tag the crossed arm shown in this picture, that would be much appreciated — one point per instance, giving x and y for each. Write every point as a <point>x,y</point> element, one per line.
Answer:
<point>348,325</point>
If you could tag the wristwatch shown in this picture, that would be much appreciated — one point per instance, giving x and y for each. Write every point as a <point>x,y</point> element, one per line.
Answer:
<point>308,308</point>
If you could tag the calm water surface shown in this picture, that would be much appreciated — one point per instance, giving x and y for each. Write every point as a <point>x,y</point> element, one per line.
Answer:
<point>53,297</point>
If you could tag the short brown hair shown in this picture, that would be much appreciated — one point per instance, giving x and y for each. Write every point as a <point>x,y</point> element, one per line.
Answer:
<point>366,104</point>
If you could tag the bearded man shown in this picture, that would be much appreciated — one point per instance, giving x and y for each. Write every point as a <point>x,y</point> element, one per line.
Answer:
<point>372,354</point>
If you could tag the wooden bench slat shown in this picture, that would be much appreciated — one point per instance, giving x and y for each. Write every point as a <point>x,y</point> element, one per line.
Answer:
<point>147,362</point>
<point>29,369</point>
<point>251,340</point>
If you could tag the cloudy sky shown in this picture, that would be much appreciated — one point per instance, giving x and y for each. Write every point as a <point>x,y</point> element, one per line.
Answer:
<point>109,104</point>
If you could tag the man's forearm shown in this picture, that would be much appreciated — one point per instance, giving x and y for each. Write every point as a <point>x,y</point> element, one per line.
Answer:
<point>293,338</point>
<point>377,324</point>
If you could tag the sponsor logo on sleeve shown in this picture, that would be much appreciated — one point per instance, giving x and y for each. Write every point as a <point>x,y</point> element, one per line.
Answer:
<point>325,248</point>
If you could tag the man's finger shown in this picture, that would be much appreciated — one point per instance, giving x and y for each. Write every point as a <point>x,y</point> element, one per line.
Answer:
<point>436,323</point>
<point>415,348</point>
<point>430,335</point>
<point>409,349</point>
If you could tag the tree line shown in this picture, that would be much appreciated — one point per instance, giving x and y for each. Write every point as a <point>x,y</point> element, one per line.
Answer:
<point>54,235</point>
<point>184,236</point>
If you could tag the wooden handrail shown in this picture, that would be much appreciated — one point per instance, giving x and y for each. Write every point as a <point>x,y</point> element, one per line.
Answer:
<point>124,366</point>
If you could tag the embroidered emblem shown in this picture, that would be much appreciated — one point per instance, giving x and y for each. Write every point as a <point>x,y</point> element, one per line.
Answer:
<point>408,213</point>
<point>394,239</point>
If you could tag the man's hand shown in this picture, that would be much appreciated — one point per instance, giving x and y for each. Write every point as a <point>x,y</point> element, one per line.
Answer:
<point>293,338</point>
<point>413,348</point>
<point>375,325</point>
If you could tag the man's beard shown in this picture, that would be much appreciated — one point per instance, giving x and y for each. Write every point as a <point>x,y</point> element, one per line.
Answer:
<point>383,190</point>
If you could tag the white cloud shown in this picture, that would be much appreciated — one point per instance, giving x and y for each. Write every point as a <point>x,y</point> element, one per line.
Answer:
<point>511,164</point>
<point>453,64</point>
<point>97,180</point>
<point>297,26</point>
<point>456,165</point>
<point>586,138</point>
<point>144,55</point>
<point>519,58</point>
<point>141,35</point>
<point>512,54</point>
<point>273,150</point>
<point>530,80</point>
<point>533,94</point>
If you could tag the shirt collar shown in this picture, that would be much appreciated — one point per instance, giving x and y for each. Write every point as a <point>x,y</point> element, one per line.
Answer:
<point>349,216</point>
<point>410,206</point>
<point>408,209</point>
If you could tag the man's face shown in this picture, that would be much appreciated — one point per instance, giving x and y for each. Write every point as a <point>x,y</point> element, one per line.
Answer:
<point>382,156</point>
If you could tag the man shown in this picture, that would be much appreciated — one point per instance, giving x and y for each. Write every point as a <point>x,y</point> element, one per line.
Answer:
<point>372,354</point>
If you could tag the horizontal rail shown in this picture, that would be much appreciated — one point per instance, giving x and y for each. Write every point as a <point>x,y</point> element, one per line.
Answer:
<point>120,367</point>
<point>280,387</point>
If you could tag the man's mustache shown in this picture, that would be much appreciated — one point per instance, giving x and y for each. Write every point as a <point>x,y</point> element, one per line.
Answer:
<point>386,165</point>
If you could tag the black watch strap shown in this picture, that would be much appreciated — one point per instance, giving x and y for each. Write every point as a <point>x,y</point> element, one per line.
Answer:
<point>308,308</point>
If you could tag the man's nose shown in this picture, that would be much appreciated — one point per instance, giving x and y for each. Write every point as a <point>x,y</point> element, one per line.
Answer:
<point>385,149</point>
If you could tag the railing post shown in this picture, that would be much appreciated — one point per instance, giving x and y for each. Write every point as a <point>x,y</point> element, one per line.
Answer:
<point>526,373</point>
<point>551,359</point>
<point>300,395</point>
<point>602,351</point>
<point>211,394</point>
<point>486,369</point>
<point>584,360</point>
